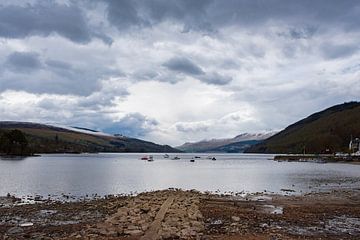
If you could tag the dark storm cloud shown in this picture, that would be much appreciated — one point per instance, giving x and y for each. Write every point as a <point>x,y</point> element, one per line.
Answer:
<point>45,18</point>
<point>216,79</point>
<point>192,14</point>
<point>47,83</point>
<point>188,67</point>
<point>126,13</point>
<point>292,12</point>
<point>105,98</point>
<point>132,125</point>
<point>209,15</point>
<point>183,65</point>
<point>23,62</point>
<point>56,76</point>
<point>187,9</point>
<point>80,79</point>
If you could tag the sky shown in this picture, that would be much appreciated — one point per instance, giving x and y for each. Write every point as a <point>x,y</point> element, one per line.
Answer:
<point>172,71</point>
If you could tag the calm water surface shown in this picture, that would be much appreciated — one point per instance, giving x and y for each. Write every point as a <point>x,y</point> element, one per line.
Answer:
<point>114,173</point>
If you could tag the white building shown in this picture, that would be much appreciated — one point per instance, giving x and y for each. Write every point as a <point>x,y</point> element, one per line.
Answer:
<point>354,146</point>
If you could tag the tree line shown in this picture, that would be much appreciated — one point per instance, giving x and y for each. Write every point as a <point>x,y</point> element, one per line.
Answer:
<point>14,142</point>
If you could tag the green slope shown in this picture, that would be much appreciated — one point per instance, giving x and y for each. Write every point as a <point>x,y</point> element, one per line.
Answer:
<point>326,131</point>
<point>49,139</point>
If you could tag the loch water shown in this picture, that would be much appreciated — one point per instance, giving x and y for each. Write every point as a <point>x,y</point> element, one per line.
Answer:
<point>124,173</point>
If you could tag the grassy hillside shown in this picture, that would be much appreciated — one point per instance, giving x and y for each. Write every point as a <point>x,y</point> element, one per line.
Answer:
<point>49,139</point>
<point>326,131</point>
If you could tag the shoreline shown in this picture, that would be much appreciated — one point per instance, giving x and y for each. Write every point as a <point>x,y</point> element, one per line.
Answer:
<point>317,158</point>
<point>10,199</point>
<point>190,215</point>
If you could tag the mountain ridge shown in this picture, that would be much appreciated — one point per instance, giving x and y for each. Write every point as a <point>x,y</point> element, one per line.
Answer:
<point>47,138</point>
<point>215,144</point>
<point>329,130</point>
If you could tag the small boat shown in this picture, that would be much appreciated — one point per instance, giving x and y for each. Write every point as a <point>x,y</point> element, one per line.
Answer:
<point>197,157</point>
<point>166,156</point>
<point>145,157</point>
<point>175,158</point>
<point>192,160</point>
<point>214,159</point>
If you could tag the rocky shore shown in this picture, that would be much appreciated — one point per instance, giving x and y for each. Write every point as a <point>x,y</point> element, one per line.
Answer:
<point>176,214</point>
<point>318,158</point>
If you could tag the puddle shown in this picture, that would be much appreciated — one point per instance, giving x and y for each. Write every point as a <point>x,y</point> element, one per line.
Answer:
<point>273,209</point>
<point>261,198</point>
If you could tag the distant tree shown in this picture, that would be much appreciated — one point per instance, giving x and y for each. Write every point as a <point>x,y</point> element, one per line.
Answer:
<point>5,144</point>
<point>13,142</point>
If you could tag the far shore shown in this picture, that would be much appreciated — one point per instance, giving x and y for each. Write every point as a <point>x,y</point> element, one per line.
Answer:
<point>318,158</point>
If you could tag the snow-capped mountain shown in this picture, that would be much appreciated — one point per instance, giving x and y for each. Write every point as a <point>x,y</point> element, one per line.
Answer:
<point>209,145</point>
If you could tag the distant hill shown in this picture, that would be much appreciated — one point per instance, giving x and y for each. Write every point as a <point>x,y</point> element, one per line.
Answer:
<point>236,144</point>
<point>327,131</point>
<point>237,147</point>
<point>43,138</point>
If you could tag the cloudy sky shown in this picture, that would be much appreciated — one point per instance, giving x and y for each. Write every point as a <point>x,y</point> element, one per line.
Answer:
<point>172,71</point>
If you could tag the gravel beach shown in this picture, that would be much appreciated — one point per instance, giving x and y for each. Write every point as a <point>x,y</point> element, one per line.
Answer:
<point>177,214</point>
